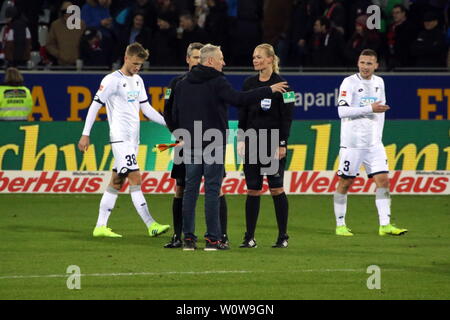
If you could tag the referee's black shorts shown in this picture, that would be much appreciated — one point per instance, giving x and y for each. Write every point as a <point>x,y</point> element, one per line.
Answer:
<point>179,173</point>
<point>254,176</point>
<point>179,170</point>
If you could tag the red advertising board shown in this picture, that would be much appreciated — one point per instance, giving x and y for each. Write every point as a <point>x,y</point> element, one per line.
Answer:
<point>159,182</point>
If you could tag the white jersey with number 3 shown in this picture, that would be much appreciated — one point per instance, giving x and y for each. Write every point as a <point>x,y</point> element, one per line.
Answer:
<point>362,128</point>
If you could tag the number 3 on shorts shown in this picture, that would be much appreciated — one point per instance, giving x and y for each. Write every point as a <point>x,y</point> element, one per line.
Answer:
<point>131,159</point>
<point>346,165</point>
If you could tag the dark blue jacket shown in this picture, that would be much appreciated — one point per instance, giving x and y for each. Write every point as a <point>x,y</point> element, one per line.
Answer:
<point>203,95</point>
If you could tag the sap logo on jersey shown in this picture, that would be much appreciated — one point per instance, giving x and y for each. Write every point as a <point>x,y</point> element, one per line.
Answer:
<point>132,96</point>
<point>365,101</point>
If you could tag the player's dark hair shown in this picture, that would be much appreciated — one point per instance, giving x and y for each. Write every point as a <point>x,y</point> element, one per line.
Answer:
<point>369,52</point>
<point>136,49</point>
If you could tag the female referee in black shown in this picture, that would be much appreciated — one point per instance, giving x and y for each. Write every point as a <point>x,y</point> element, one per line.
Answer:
<point>271,114</point>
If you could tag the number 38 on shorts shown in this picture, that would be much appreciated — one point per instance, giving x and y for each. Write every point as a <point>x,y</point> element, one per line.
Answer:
<point>374,160</point>
<point>125,158</point>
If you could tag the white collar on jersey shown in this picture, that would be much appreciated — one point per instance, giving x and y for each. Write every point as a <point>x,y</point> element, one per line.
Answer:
<point>362,79</point>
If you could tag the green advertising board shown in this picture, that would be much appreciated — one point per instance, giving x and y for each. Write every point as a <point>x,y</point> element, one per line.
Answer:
<point>313,145</point>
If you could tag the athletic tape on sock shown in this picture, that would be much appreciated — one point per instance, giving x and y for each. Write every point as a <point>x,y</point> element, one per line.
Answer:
<point>112,190</point>
<point>382,193</point>
<point>135,188</point>
<point>340,198</point>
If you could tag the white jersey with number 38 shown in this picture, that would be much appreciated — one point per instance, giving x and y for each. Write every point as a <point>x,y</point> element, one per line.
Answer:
<point>361,128</point>
<point>122,96</point>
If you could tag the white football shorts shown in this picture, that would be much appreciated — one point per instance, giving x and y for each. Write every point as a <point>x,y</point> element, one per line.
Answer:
<point>374,160</point>
<point>125,157</point>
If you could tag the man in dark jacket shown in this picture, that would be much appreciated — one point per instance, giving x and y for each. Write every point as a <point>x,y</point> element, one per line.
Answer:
<point>17,44</point>
<point>178,170</point>
<point>335,12</point>
<point>401,33</point>
<point>430,48</point>
<point>92,50</point>
<point>327,45</point>
<point>200,116</point>
<point>191,32</point>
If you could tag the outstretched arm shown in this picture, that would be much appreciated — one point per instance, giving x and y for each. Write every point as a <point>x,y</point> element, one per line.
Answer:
<point>238,98</point>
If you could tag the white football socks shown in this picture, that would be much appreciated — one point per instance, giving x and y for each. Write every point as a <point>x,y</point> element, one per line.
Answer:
<point>383,203</point>
<point>141,205</point>
<point>340,208</point>
<point>106,206</point>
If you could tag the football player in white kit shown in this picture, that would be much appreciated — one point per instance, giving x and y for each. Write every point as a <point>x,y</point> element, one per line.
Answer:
<point>361,107</point>
<point>124,94</point>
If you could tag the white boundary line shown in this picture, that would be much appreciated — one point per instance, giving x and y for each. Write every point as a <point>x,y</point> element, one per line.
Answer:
<point>124,274</point>
<point>132,274</point>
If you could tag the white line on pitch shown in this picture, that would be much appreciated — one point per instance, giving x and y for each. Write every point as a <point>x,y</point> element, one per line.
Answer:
<point>132,274</point>
<point>123,274</point>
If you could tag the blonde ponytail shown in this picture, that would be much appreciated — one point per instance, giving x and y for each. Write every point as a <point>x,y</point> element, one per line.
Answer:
<point>276,64</point>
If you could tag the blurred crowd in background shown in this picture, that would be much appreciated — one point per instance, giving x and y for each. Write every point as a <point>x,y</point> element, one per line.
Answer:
<point>320,35</point>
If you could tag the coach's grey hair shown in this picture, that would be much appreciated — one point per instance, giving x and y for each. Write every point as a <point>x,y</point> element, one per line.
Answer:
<point>193,46</point>
<point>207,51</point>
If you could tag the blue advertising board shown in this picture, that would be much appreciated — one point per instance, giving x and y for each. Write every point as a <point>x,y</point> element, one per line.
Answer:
<point>66,96</point>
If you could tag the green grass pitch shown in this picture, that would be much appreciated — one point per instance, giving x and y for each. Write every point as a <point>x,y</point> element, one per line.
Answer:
<point>41,235</point>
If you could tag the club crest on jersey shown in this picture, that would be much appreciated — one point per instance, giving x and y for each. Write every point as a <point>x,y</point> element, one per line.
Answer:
<point>365,101</point>
<point>132,96</point>
<point>344,93</point>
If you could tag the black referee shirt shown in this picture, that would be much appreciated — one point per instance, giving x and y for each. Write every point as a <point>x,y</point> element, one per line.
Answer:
<point>270,113</point>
